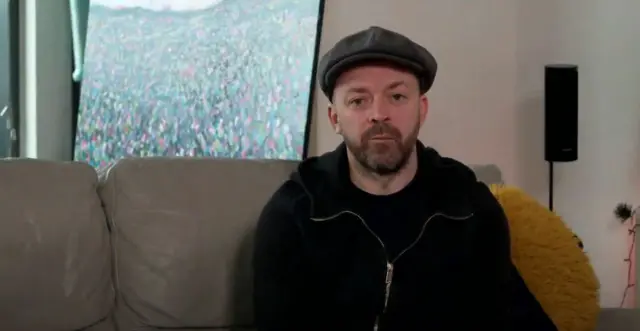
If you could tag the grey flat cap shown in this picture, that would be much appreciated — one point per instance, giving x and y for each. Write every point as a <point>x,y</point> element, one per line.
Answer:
<point>376,44</point>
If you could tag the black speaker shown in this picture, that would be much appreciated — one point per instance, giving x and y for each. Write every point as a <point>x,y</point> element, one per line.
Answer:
<point>561,113</point>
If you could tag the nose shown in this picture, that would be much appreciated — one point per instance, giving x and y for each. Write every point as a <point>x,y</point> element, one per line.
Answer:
<point>379,112</point>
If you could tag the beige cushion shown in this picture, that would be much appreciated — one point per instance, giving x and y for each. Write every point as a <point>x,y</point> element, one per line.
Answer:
<point>488,173</point>
<point>182,237</point>
<point>54,247</point>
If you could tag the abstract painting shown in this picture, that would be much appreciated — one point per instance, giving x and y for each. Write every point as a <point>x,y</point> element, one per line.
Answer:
<point>206,78</point>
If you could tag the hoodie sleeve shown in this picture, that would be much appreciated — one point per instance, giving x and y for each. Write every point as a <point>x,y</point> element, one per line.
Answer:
<point>277,261</point>
<point>492,254</point>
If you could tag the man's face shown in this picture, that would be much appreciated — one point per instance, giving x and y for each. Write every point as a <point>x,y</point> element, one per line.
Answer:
<point>378,110</point>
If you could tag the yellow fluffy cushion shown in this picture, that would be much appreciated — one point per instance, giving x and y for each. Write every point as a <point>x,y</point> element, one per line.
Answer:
<point>547,256</point>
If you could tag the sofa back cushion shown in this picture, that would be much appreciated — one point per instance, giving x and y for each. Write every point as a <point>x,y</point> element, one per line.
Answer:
<point>55,264</point>
<point>182,231</point>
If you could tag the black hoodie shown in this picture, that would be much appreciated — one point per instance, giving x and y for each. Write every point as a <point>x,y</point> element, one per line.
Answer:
<point>319,266</point>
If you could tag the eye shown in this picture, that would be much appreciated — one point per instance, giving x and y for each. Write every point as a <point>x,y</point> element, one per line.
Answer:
<point>398,97</point>
<point>356,102</point>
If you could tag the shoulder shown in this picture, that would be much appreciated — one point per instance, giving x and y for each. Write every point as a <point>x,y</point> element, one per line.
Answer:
<point>463,177</point>
<point>287,196</point>
<point>493,222</point>
<point>283,209</point>
<point>485,198</point>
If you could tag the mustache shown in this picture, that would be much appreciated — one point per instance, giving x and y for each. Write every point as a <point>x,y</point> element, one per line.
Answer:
<point>382,128</point>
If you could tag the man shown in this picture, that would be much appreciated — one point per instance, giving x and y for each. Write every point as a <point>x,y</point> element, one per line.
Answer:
<point>381,233</point>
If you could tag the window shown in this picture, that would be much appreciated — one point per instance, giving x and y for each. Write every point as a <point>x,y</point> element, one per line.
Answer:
<point>9,88</point>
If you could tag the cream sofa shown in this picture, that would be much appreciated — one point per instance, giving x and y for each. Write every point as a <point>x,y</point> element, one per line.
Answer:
<point>149,244</point>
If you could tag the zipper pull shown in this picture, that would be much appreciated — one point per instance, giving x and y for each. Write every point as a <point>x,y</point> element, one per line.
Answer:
<point>389,277</point>
<point>387,289</point>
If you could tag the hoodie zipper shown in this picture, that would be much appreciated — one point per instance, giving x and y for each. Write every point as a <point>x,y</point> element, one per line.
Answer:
<point>388,280</point>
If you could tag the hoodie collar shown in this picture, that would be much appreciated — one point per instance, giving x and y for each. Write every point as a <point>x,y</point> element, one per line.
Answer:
<point>326,179</point>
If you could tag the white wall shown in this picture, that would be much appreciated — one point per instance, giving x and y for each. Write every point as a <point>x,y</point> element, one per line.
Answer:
<point>486,105</point>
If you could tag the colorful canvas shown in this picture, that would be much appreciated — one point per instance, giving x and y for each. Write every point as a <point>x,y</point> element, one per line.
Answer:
<point>212,78</point>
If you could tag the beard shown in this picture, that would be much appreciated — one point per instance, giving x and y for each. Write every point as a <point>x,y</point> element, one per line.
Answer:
<point>383,157</point>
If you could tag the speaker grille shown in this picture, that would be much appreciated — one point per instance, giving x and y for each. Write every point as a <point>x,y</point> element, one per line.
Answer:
<point>561,113</point>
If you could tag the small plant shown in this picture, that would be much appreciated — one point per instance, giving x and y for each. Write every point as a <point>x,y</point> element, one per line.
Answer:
<point>626,214</point>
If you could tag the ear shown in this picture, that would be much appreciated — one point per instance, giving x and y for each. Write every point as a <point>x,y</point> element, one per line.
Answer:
<point>424,108</point>
<point>333,119</point>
